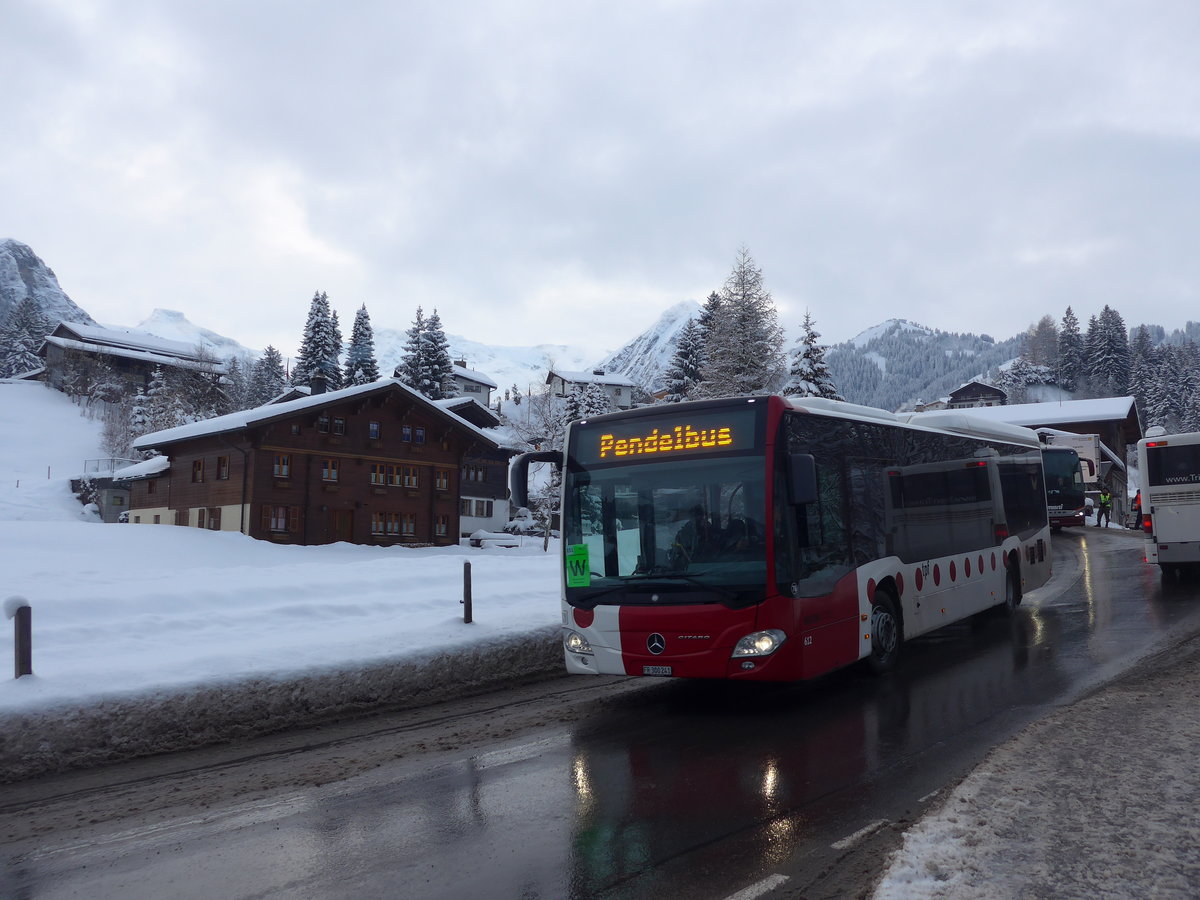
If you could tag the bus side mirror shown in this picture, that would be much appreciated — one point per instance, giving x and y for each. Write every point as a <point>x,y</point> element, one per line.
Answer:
<point>518,473</point>
<point>802,478</point>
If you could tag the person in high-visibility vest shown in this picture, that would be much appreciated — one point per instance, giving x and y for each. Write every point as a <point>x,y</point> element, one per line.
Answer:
<point>1102,517</point>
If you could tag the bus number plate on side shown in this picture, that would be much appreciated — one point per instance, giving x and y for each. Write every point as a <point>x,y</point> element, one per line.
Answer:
<point>656,670</point>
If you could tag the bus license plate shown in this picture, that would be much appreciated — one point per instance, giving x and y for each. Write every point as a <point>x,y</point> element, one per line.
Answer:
<point>656,670</point>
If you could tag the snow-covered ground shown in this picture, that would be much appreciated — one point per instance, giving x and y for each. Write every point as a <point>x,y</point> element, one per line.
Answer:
<point>120,610</point>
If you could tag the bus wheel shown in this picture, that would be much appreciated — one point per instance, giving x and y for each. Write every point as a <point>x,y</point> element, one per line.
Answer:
<point>1012,596</point>
<point>885,634</point>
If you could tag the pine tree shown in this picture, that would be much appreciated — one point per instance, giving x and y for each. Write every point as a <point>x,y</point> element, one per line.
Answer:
<point>1070,352</point>
<point>809,375</point>
<point>21,335</point>
<point>267,378</point>
<point>107,388</point>
<point>320,347</point>
<point>1107,364</point>
<point>743,352</point>
<point>441,367</point>
<point>684,374</point>
<point>361,367</point>
<point>1143,365</point>
<point>237,384</point>
<point>516,395</point>
<point>412,366</point>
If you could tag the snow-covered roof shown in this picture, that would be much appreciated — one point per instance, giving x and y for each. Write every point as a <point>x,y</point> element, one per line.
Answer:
<point>472,375</point>
<point>152,466</point>
<point>148,356</point>
<point>129,339</point>
<point>1100,409</point>
<point>590,378</point>
<point>245,418</point>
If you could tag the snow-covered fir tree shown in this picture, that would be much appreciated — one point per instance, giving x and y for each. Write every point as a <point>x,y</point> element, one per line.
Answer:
<point>267,378</point>
<point>1041,344</point>
<point>441,366</point>
<point>20,336</point>
<point>584,401</point>
<point>425,364</point>
<point>684,374</point>
<point>743,350</point>
<point>237,383</point>
<point>1070,352</point>
<point>320,347</point>
<point>809,375</point>
<point>361,366</point>
<point>1143,365</point>
<point>1107,363</point>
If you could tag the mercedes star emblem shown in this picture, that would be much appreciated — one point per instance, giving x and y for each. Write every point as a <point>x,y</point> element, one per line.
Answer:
<point>656,643</point>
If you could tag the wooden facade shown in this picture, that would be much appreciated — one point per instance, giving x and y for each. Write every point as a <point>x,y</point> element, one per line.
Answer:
<point>378,464</point>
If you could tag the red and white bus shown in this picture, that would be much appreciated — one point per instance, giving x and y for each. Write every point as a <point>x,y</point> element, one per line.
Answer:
<point>776,539</point>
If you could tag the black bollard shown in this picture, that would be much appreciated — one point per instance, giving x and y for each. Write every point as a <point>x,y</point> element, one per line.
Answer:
<point>467,592</point>
<point>22,615</point>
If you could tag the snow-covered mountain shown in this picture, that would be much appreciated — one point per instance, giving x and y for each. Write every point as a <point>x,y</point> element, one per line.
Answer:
<point>23,274</point>
<point>645,359</point>
<point>899,363</point>
<point>525,367</point>
<point>174,326</point>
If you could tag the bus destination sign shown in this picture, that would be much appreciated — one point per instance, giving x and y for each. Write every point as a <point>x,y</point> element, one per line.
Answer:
<point>646,438</point>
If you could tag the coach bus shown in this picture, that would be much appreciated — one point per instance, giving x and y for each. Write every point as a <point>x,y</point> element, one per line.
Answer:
<point>1065,499</point>
<point>776,539</point>
<point>1170,472</point>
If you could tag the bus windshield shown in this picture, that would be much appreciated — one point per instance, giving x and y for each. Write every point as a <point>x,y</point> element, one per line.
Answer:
<point>1064,478</point>
<point>674,524</point>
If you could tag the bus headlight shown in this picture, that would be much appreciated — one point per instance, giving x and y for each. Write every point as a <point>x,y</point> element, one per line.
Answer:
<point>760,643</point>
<point>576,643</point>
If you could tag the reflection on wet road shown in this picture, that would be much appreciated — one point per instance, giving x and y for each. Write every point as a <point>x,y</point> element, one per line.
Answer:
<point>675,789</point>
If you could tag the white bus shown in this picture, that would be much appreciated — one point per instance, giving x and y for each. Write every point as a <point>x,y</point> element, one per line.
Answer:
<point>1170,472</point>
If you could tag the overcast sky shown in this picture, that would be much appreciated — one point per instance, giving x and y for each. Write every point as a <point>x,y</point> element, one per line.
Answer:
<point>563,172</point>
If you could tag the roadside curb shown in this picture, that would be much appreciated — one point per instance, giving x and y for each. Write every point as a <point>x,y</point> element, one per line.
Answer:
<point>124,727</point>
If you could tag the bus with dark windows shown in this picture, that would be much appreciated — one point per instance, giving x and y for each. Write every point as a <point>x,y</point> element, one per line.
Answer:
<point>1065,498</point>
<point>776,539</point>
<point>1169,465</point>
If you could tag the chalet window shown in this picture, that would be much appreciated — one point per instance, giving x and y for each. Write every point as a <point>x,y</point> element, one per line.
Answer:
<point>374,430</point>
<point>419,436</point>
<point>197,470</point>
<point>393,476</point>
<point>280,519</point>
<point>408,524</point>
<point>181,517</point>
<point>329,470</point>
<point>483,508</point>
<point>118,500</point>
<point>377,522</point>
<point>411,478</point>
<point>323,423</point>
<point>378,473</point>
<point>296,429</point>
<point>222,468</point>
<point>339,425</point>
<point>441,480</point>
<point>283,465</point>
<point>152,486</point>
<point>406,432</point>
<point>214,519</point>
<point>158,520</point>
<point>464,508</point>
<point>440,525</point>
<point>200,517</point>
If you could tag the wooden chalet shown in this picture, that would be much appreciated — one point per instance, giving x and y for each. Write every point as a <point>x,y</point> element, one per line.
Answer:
<point>975,394</point>
<point>370,464</point>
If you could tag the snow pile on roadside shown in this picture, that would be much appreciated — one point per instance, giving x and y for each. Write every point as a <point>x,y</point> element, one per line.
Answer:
<point>1097,800</point>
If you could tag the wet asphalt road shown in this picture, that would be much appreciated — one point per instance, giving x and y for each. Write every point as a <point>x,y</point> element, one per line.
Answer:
<point>601,787</point>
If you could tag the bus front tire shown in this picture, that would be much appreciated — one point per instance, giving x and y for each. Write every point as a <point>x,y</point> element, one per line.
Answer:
<point>885,634</point>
